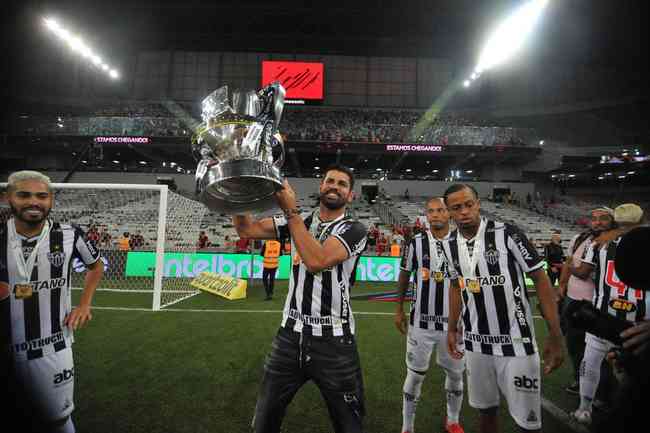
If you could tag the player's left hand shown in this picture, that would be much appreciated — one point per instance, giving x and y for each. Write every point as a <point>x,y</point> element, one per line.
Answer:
<point>286,197</point>
<point>78,317</point>
<point>637,337</point>
<point>553,353</point>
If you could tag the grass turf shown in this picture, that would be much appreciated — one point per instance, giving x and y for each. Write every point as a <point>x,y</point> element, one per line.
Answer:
<point>198,371</point>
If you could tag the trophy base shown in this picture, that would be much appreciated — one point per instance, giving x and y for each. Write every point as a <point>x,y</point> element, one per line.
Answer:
<point>241,186</point>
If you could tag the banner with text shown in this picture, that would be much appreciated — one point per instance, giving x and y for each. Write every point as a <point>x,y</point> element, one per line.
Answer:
<point>179,265</point>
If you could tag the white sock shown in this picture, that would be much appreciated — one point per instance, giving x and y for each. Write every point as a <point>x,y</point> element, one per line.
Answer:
<point>454,388</point>
<point>589,376</point>
<point>412,390</point>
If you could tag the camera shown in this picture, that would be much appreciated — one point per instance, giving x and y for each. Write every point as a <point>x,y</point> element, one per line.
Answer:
<point>583,315</point>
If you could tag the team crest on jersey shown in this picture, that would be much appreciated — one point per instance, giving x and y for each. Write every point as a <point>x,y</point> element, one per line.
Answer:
<point>492,256</point>
<point>56,258</point>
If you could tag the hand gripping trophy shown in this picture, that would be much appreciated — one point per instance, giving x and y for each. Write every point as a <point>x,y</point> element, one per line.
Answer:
<point>240,150</point>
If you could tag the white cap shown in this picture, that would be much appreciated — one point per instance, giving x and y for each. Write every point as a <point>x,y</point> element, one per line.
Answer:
<point>628,213</point>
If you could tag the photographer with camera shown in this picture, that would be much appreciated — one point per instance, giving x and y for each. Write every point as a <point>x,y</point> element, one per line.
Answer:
<point>612,297</point>
<point>574,288</point>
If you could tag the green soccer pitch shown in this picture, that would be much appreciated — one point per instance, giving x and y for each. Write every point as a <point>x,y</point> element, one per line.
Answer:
<point>196,367</point>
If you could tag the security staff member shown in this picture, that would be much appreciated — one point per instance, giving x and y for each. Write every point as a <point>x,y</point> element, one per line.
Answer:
<point>271,254</point>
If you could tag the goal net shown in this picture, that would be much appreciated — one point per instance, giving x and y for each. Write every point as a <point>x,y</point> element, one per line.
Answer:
<point>137,228</point>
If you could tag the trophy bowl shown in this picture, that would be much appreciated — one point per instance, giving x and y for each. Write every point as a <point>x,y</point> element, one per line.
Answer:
<point>241,151</point>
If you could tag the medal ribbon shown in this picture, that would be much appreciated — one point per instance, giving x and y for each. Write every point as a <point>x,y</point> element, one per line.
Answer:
<point>25,267</point>
<point>469,261</point>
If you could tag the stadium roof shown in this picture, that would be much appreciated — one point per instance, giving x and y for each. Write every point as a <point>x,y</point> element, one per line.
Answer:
<point>581,31</point>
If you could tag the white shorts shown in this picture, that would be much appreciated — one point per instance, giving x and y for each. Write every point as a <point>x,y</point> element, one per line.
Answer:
<point>518,378</point>
<point>48,383</point>
<point>419,346</point>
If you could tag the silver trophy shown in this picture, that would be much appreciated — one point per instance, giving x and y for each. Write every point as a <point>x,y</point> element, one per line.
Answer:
<point>240,150</point>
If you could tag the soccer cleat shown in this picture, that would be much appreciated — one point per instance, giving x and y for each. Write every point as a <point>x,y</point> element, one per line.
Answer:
<point>573,389</point>
<point>451,428</point>
<point>582,416</point>
<point>454,428</point>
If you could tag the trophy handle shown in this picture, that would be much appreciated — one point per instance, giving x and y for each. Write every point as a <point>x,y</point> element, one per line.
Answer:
<point>277,142</point>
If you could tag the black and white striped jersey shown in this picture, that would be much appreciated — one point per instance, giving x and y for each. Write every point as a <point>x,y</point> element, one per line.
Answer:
<point>425,260</point>
<point>611,295</point>
<point>36,321</point>
<point>496,314</point>
<point>319,304</point>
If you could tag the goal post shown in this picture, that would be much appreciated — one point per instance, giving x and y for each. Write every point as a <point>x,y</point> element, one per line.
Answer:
<point>135,227</point>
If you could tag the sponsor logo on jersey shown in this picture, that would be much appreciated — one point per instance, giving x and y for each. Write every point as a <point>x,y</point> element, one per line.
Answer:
<point>54,283</point>
<point>492,280</point>
<point>433,318</point>
<point>491,256</point>
<point>63,377</point>
<point>519,308</point>
<point>526,384</point>
<point>522,248</point>
<point>311,320</point>
<point>622,305</point>
<point>488,339</point>
<point>532,417</point>
<point>38,343</point>
<point>56,258</point>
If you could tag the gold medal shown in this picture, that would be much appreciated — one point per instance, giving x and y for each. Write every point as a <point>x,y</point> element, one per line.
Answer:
<point>23,291</point>
<point>473,285</point>
<point>439,277</point>
<point>426,274</point>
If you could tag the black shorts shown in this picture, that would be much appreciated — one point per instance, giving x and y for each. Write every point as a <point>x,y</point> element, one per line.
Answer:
<point>331,362</point>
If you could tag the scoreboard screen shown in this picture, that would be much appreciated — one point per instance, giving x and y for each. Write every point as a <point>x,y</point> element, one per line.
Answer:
<point>301,80</point>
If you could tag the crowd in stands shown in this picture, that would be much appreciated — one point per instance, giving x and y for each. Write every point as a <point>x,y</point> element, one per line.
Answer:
<point>327,125</point>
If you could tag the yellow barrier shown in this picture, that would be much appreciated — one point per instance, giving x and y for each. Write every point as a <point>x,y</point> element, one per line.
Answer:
<point>222,285</point>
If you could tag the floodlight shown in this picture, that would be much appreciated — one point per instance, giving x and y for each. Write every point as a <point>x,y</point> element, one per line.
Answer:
<point>510,36</point>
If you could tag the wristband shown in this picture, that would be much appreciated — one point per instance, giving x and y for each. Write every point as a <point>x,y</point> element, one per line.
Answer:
<point>290,213</point>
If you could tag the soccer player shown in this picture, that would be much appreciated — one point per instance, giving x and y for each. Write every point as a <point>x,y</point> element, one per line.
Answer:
<point>35,258</point>
<point>427,323</point>
<point>574,289</point>
<point>611,296</point>
<point>316,337</point>
<point>487,260</point>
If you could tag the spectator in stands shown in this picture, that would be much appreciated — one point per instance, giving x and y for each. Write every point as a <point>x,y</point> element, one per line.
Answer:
<point>373,234</point>
<point>574,288</point>
<point>382,244</point>
<point>554,256</point>
<point>105,238</point>
<point>123,242</point>
<point>93,235</point>
<point>203,240</point>
<point>136,241</point>
<point>529,199</point>
<point>242,246</point>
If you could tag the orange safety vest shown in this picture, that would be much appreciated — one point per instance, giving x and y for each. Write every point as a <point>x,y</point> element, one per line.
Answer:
<point>394,250</point>
<point>123,244</point>
<point>271,254</point>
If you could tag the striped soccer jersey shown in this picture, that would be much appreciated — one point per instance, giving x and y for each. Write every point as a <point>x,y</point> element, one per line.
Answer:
<point>496,314</point>
<point>611,295</point>
<point>425,259</point>
<point>36,321</point>
<point>319,304</point>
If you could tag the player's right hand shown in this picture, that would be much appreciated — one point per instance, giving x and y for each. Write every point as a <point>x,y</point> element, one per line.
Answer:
<point>452,345</point>
<point>400,321</point>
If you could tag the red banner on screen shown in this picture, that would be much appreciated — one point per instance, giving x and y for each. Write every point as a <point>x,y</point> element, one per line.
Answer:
<point>301,80</point>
